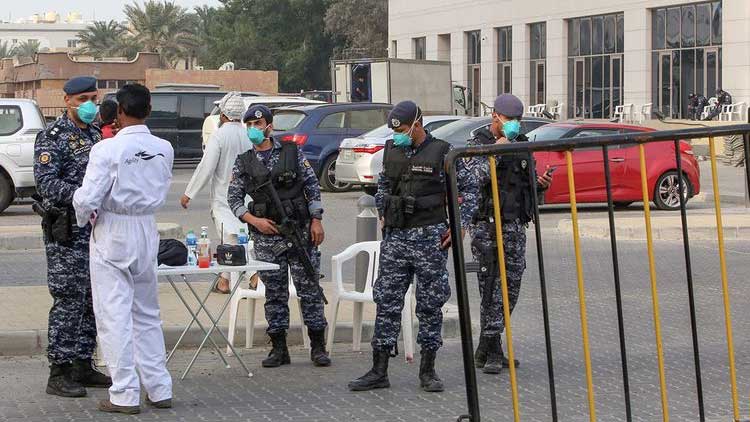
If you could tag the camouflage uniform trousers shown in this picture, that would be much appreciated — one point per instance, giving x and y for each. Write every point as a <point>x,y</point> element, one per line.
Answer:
<point>277,284</point>
<point>71,326</point>
<point>492,321</point>
<point>405,253</point>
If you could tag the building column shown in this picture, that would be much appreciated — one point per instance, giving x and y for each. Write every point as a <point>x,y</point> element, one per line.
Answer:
<point>458,58</point>
<point>557,68</point>
<point>521,66</point>
<point>735,56</point>
<point>489,66</point>
<point>637,58</point>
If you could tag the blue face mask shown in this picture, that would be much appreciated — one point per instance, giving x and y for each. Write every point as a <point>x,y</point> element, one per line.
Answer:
<point>87,112</point>
<point>511,129</point>
<point>256,135</point>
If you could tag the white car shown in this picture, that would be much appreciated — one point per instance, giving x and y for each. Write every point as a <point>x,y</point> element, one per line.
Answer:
<point>20,122</point>
<point>211,123</point>
<point>360,159</point>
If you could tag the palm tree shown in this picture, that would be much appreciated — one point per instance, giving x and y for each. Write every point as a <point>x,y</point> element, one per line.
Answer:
<point>27,49</point>
<point>165,28</point>
<point>102,39</point>
<point>6,50</point>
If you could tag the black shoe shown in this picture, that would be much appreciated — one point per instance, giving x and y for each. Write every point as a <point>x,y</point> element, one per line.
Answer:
<point>494,364</point>
<point>377,377</point>
<point>428,379</point>
<point>480,356</point>
<point>61,384</point>
<point>318,353</point>
<point>84,372</point>
<point>506,362</point>
<point>279,354</point>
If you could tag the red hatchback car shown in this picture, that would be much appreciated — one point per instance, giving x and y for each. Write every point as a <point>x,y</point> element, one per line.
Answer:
<point>624,166</point>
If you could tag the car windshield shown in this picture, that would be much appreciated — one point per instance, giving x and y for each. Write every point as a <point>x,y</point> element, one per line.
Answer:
<point>458,132</point>
<point>284,120</point>
<point>548,133</point>
<point>379,132</point>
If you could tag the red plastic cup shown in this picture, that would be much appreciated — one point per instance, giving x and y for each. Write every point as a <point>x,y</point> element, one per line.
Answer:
<point>204,262</point>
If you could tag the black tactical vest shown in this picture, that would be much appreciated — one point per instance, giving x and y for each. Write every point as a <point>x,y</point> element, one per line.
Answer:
<point>513,179</point>
<point>417,192</point>
<point>286,178</point>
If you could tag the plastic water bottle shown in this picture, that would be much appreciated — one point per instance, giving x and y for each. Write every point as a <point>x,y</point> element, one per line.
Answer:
<point>242,240</point>
<point>192,246</point>
<point>204,249</point>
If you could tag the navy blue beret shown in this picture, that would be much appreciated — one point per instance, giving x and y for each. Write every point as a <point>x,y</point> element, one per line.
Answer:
<point>508,105</point>
<point>405,112</point>
<point>80,84</point>
<point>257,112</point>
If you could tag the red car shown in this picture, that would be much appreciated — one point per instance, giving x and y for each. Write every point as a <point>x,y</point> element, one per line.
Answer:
<point>624,166</point>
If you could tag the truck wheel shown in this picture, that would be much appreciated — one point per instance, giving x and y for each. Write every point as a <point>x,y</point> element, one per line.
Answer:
<point>328,177</point>
<point>7,193</point>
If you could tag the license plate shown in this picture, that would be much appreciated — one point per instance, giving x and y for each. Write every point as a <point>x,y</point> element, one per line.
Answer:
<point>347,155</point>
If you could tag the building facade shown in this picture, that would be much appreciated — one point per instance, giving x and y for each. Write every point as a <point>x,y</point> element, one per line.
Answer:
<point>54,37</point>
<point>588,55</point>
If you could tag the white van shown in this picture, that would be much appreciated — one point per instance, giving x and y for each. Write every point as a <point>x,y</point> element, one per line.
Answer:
<point>211,123</point>
<point>20,121</point>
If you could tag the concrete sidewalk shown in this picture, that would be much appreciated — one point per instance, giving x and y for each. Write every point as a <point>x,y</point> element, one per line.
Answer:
<point>23,237</point>
<point>24,310</point>
<point>701,226</point>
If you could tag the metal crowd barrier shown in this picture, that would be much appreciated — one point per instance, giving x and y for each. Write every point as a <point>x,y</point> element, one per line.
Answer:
<point>567,146</point>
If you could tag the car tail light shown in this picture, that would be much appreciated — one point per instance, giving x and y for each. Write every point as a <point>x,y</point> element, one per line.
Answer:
<point>367,149</point>
<point>297,138</point>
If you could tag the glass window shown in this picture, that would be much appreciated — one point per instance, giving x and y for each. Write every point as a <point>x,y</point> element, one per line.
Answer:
<point>660,18</point>
<point>597,87</point>
<point>534,46</point>
<point>574,37</point>
<point>394,49</point>
<point>420,48</point>
<point>164,107</point>
<point>287,120</point>
<point>474,47</point>
<point>366,119</point>
<point>11,120</point>
<point>191,106</point>
<point>597,35</point>
<point>538,48</point>
<point>673,27</point>
<point>333,121</point>
<point>585,36</point>
<point>610,31</point>
<point>548,133</point>
<point>716,24</point>
<point>688,75</point>
<point>703,24</point>
<point>688,26</point>
<point>208,104</point>
<point>504,44</point>
<point>620,33</point>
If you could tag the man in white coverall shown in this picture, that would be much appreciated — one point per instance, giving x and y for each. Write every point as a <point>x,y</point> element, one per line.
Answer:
<point>126,182</point>
<point>222,149</point>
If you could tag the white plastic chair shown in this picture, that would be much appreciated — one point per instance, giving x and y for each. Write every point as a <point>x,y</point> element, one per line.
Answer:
<point>645,113</point>
<point>555,110</point>
<point>624,113</point>
<point>342,294</point>
<point>252,297</point>
<point>729,111</point>
<point>707,109</point>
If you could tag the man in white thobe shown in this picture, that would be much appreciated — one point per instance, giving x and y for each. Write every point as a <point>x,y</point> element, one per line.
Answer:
<point>215,169</point>
<point>126,182</point>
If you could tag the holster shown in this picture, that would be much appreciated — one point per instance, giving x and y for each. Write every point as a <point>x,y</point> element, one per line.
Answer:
<point>56,222</point>
<point>489,268</point>
<point>394,214</point>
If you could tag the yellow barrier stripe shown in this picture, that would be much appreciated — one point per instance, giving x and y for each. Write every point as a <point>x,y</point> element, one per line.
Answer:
<point>724,282</point>
<point>654,290</point>
<point>504,286</point>
<point>581,287</point>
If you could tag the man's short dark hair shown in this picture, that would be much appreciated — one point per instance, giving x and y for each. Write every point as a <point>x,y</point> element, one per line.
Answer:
<point>135,100</point>
<point>108,111</point>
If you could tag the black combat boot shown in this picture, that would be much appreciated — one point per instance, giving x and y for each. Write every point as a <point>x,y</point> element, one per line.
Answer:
<point>318,353</point>
<point>279,354</point>
<point>61,384</point>
<point>480,356</point>
<point>377,377</point>
<point>84,372</point>
<point>494,363</point>
<point>506,362</point>
<point>428,379</point>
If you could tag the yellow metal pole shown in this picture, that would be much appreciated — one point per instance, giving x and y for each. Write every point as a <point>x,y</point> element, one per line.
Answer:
<point>654,291</point>
<point>581,287</point>
<point>724,282</point>
<point>504,287</point>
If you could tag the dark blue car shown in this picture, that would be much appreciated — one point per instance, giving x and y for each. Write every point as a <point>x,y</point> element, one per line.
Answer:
<point>319,129</point>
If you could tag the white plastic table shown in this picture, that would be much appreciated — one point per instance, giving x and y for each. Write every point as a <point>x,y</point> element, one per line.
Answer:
<point>169,272</point>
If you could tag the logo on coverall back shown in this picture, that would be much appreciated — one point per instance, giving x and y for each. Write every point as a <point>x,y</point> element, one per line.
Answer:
<point>142,155</point>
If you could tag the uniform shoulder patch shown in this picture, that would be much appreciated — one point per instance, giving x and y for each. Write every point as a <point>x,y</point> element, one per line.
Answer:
<point>44,158</point>
<point>306,163</point>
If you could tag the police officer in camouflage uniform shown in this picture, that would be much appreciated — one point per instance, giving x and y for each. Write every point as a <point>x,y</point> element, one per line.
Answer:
<point>411,201</point>
<point>281,163</point>
<point>516,200</point>
<point>61,153</point>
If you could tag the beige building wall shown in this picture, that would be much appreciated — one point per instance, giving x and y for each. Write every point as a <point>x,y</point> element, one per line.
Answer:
<point>435,19</point>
